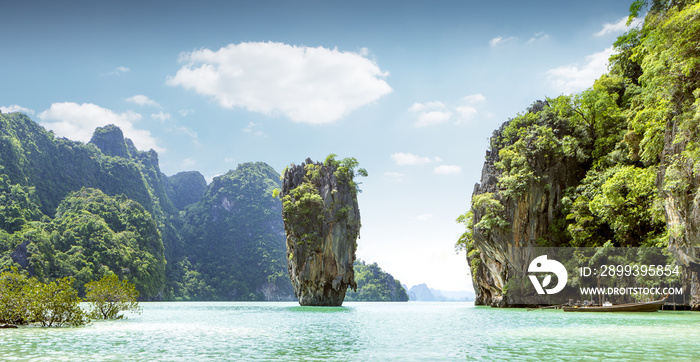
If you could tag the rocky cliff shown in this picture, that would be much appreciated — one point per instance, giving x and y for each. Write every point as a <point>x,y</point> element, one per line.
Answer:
<point>679,183</point>
<point>322,224</point>
<point>508,224</point>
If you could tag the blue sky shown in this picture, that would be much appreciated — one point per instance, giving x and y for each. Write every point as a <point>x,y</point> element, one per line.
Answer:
<point>411,89</point>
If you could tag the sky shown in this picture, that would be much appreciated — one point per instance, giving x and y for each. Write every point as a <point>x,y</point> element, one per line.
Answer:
<point>412,89</point>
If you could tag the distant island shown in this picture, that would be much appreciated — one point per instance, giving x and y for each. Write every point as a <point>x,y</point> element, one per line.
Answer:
<point>422,293</point>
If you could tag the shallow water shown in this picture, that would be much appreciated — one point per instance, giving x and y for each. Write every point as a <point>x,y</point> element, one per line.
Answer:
<point>179,331</point>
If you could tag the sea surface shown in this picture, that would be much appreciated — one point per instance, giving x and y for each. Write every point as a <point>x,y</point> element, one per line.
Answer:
<point>200,331</point>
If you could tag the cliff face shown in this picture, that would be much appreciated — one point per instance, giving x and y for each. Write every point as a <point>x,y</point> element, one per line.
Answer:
<point>678,181</point>
<point>527,218</point>
<point>322,223</point>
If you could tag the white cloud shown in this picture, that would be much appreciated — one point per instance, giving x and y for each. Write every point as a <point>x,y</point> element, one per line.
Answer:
<point>117,71</point>
<point>161,116</point>
<point>78,122</point>
<point>448,169</point>
<point>474,98</point>
<point>420,107</point>
<point>16,108</point>
<point>436,112</point>
<point>618,27</point>
<point>308,85</point>
<point>574,78</point>
<point>186,112</point>
<point>403,158</point>
<point>541,36</point>
<point>142,100</point>
<point>466,113</point>
<point>432,118</point>
<point>251,129</point>
<point>424,217</point>
<point>430,113</point>
<point>499,40</point>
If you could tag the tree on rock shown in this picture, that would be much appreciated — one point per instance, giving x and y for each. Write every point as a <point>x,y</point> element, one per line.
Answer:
<point>322,223</point>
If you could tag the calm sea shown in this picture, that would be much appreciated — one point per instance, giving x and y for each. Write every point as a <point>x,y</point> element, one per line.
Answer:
<point>187,331</point>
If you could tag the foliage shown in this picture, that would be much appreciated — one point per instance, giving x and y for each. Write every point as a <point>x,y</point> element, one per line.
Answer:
<point>185,188</point>
<point>235,239</point>
<point>26,300</point>
<point>304,211</point>
<point>88,210</point>
<point>345,170</point>
<point>56,304</point>
<point>18,205</point>
<point>625,143</point>
<point>375,285</point>
<point>14,297</point>
<point>491,210</point>
<point>109,296</point>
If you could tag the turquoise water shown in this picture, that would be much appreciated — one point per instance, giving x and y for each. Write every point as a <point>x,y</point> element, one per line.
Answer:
<point>360,331</point>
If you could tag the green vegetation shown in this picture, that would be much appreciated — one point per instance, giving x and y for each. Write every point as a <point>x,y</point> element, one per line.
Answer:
<point>26,300</point>
<point>109,296</point>
<point>375,285</point>
<point>92,234</point>
<point>609,142</point>
<point>85,211</point>
<point>303,207</point>
<point>235,239</point>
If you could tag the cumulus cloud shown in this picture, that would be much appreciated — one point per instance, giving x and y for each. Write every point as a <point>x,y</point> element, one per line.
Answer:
<point>468,111</point>
<point>252,129</point>
<point>499,40</point>
<point>619,26</point>
<point>430,113</point>
<point>118,71</point>
<point>474,98</point>
<point>541,36</point>
<point>432,118</point>
<point>305,84</point>
<point>574,77</point>
<point>448,169</point>
<point>403,158</point>
<point>16,108</point>
<point>161,116</point>
<point>78,122</point>
<point>436,112</point>
<point>142,100</point>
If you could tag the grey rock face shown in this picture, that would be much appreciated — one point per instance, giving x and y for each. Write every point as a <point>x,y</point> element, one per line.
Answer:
<point>505,250</point>
<point>322,223</point>
<point>682,210</point>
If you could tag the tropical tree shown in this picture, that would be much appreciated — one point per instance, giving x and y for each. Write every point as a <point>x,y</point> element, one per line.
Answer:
<point>109,296</point>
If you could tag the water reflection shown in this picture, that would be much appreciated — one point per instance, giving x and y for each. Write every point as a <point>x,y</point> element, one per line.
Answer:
<point>321,309</point>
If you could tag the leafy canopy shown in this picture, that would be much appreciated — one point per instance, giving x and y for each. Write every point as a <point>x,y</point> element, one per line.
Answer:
<point>109,296</point>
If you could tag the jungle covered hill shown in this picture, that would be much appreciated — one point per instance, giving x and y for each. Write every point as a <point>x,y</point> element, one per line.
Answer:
<point>69,209</point>
<point>617,165</point>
